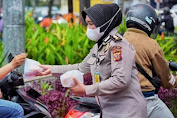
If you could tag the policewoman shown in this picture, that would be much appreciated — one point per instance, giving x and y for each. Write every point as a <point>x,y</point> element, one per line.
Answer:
<point>111,63</point>
<point>142,21</point>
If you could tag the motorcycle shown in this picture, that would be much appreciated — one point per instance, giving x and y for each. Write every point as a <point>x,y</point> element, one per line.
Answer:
<point>88,107</point>
<point>33,108</point>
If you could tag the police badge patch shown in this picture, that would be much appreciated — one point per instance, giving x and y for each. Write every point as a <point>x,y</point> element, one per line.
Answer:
<point>116,50</point>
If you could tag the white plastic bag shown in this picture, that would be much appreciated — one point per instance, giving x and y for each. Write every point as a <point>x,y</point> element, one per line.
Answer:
<point>31,68</point>
<point>67,78</point>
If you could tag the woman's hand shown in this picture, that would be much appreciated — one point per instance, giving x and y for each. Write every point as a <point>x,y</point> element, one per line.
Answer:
<point>46,69</point>
<point>79,89</point>
<point>18,60</point>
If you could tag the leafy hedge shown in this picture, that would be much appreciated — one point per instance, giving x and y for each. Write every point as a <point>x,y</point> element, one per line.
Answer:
<point>169,46</point>
<point>58,44</point>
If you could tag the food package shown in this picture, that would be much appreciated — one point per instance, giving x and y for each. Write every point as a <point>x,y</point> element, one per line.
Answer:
<point>67,78</point>
<point>31,68</point>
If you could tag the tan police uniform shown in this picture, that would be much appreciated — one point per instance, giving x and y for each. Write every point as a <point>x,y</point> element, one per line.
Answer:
<point>148,52</point>
<point>114,74</point>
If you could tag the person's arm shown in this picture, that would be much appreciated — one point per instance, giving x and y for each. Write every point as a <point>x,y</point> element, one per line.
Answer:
<point>55,69</point>
<point>161,68</point>
<point>84,66</point>
<point>15,63</point>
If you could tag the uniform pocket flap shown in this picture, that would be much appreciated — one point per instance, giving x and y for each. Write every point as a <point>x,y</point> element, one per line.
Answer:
<point>102,57</point>
<point>91,60</point>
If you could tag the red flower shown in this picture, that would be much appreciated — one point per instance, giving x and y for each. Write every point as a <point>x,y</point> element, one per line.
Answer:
<point>46,40</point>
<point>162,35</point>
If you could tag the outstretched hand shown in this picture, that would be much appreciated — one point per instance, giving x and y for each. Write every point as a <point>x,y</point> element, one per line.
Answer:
<point>45,70</point>
<point>18,60</point>
<point>79,89</point>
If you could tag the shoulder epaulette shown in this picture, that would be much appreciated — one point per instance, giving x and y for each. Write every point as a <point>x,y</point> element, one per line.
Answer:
<point>116,38</point>
<point>111,37</point>
<point>107,40</point>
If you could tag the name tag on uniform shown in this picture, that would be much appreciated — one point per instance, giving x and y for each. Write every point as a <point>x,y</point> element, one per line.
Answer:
<point>97,77</point>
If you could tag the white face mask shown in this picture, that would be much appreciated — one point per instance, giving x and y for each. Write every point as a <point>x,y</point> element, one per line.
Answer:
<point>94,34</point>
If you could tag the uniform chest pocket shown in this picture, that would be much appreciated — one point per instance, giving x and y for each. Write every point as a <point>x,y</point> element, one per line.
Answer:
<point>91,60</point>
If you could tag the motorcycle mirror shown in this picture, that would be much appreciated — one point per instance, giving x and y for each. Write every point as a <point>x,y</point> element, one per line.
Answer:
<point>173,66</point>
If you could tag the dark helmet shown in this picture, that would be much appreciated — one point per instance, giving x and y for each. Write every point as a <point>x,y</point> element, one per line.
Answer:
<point>166,10</point>
<point>143,17</point>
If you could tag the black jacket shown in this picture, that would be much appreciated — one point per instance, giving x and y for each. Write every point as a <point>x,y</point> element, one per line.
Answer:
<point>169,25</point>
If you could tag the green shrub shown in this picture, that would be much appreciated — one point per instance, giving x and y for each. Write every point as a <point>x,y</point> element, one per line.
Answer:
<point>59,44</point>
<point>168,45</point>
<point>122,27</point>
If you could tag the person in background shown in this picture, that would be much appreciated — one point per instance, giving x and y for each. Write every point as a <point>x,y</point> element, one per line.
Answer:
<point>1,27</point>
<point>10,109</point>
<point>111,63</point>
<point>168,20</point>
<point>141,20</point>
<point>1,23</point>
<point>1,19</point>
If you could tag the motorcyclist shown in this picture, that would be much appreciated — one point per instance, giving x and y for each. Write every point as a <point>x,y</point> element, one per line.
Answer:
<point>141,20</point>
<point>10,109</point>
<point>168,20</point>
